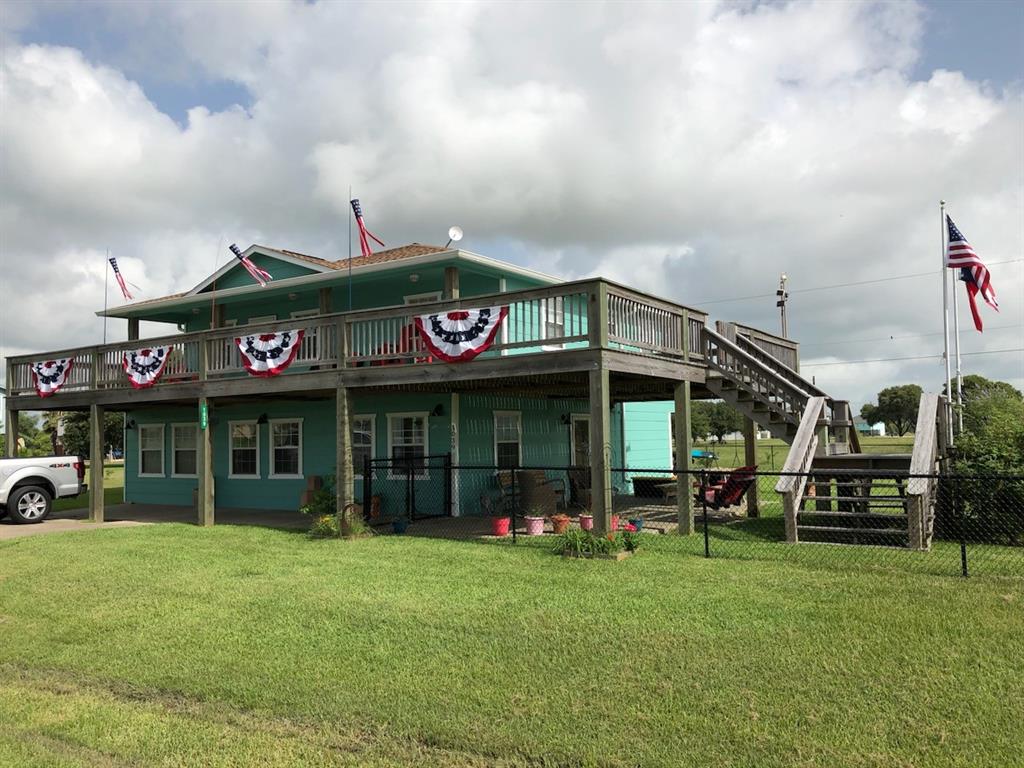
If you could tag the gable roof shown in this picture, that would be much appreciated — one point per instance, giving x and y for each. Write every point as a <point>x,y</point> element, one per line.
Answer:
<point>322,270</point>
<point>317,264</point>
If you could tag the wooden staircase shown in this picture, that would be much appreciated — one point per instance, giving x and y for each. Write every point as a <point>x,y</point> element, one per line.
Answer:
<point>770,393</point>
<point>831,490</point>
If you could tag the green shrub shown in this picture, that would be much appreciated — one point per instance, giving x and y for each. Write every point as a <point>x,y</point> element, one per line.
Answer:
<point>324,527</point>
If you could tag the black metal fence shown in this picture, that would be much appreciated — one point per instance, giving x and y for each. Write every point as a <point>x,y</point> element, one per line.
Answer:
<point>846,519</point>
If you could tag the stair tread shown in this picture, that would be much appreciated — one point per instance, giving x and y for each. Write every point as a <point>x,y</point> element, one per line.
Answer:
<point>868,515</point>
<point>869,499</point>
<point>838,529</point>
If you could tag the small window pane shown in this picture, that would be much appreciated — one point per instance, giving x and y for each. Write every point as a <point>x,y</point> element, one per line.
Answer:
<point>243,461</point>
<point>362,442</point>
<point>151,438</point>
<point>244,439</point>
<point>508,455</point>
<point>185,462</point>
<point>151,463</point>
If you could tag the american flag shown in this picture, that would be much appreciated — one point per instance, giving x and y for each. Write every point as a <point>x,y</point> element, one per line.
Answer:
<point>960,255</point>
<point>261,276</point>
<point>364,233</point>
<point>120,278</point>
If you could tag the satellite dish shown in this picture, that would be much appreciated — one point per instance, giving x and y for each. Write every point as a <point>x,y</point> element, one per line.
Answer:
<point>454,235</point>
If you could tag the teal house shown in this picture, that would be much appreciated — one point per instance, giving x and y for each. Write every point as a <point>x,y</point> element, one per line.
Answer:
<point>267,444</point>
<point>359,381</point>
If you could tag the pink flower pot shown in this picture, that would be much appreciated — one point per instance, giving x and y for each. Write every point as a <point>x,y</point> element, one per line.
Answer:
<point>587,522</point>
<point>534,526</point>
<point>615,522</point>
<point>499,526</point>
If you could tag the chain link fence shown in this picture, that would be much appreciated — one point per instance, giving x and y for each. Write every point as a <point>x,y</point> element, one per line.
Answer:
<point>846,519</point>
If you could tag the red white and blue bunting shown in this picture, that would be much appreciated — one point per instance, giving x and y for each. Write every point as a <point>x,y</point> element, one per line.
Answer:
<point>144,366</point>
<point>51,375</point>
<point>268,354</point>
<point>459,336</point>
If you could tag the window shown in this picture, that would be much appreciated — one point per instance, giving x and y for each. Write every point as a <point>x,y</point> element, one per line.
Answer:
<point>423,298</point>
<point>184,444</point>
<point>286,448</point>
<point>508,448</point>
<point>245,449</point>
<point>151,450</point>
<point>261,319</point>
<point>407,443</point>
<point>305,313</point>
<point>364,438</point>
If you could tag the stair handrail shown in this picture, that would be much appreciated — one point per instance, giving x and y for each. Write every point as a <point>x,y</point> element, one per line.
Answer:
<point>714,338</point>
<point>798,464</point>
<point>780,368</point>
<point>921,486</point>
<point>795,378</point>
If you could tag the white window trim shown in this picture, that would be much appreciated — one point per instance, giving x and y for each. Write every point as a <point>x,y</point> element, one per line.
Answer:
<point>422,298</point>
<point>426,443</point>
<point>174,468</point>
<point>261,319</point>
<point>231,449</point>
<point>163,451</point>
<point>519,421</point>
<point>270,440</point>
<point>302,313</point>
<point>230,323</point>
<point>373,439</point>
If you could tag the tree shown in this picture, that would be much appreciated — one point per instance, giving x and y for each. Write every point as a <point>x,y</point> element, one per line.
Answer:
<point>700,420</point>
<point>723,419</point>
<point>897,408</point>
<point>76,433</point>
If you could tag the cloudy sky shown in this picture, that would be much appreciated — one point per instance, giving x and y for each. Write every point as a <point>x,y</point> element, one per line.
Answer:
<point>696,150</point>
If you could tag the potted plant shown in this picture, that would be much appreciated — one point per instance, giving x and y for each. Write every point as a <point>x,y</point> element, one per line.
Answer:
<point>637,521</point>
<point>560,522</point>
<point>586,520</point>
<point>499,520</point>
<point>535,522</point>
<point>399,524</point>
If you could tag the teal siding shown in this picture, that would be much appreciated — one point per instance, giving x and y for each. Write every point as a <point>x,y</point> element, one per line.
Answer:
<point>545,443</point>
<point>647,440</point>
<point>237,276</point>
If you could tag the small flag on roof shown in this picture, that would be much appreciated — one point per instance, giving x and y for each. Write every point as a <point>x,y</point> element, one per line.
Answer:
<point>960,255</point>
<point>364,233</point>
<point>261,276</point>
<point>120,278</point>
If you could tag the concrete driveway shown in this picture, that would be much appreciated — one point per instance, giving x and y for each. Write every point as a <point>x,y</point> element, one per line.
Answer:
<point>126,515</point>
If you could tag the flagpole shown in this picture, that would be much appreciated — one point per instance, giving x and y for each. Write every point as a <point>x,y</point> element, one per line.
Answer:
<point>106,275</point>
<point>945,315</point>
<point>956,354</point>
<point>350,251</point>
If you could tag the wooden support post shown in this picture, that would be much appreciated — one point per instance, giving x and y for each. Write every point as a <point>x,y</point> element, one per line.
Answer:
<point>133,328</point>
<point>344,485</point>
<point>684,459</point>
<point>600,450</point>
<point>11,429</point>
<point>96,455</point>
<point>325,301</point>
<point>205,501</point>
<point>451,283</point>
<point>597,316</point>
<point>750,459</point>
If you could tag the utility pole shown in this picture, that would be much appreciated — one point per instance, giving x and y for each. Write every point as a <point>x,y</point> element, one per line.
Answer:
<point>781,303</point>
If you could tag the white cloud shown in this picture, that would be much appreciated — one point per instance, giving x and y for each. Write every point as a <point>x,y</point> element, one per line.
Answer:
<point>693,149</point>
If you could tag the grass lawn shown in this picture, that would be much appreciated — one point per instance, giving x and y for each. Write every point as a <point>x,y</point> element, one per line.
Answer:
<point>113,490</point>
<point>172,645</point>
<point>771,454</point>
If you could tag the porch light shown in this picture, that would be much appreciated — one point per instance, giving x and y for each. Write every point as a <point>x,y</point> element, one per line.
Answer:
<point>261,419</point>
<point>413,277</point>
<point>438,410</point>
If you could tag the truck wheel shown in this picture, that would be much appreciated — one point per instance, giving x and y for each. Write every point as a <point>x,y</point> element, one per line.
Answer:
<point>29,504</point>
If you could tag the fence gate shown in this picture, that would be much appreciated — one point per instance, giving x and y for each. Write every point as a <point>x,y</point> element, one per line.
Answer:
<point>413,488</point>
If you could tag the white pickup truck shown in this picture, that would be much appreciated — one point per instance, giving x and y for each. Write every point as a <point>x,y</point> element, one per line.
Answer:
<point>29,486</point>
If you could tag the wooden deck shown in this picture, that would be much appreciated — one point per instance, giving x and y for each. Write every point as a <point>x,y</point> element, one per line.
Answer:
<point>645,343</point>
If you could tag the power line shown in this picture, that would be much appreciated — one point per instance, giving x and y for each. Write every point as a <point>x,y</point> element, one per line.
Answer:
<point>898,338</point>
<point>840,285</point>
<point>915,357</point>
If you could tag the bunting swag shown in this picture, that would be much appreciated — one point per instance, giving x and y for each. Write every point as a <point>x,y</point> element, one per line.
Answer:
<point>51,375</point>
<point>144,366</point>
<point>268,354</point>
<point>458,337</point>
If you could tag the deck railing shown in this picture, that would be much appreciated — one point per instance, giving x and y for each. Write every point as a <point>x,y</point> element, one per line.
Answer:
<point>549,320</point>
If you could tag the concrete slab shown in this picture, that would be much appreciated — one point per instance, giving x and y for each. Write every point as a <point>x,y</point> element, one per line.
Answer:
<point>125,515</point>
